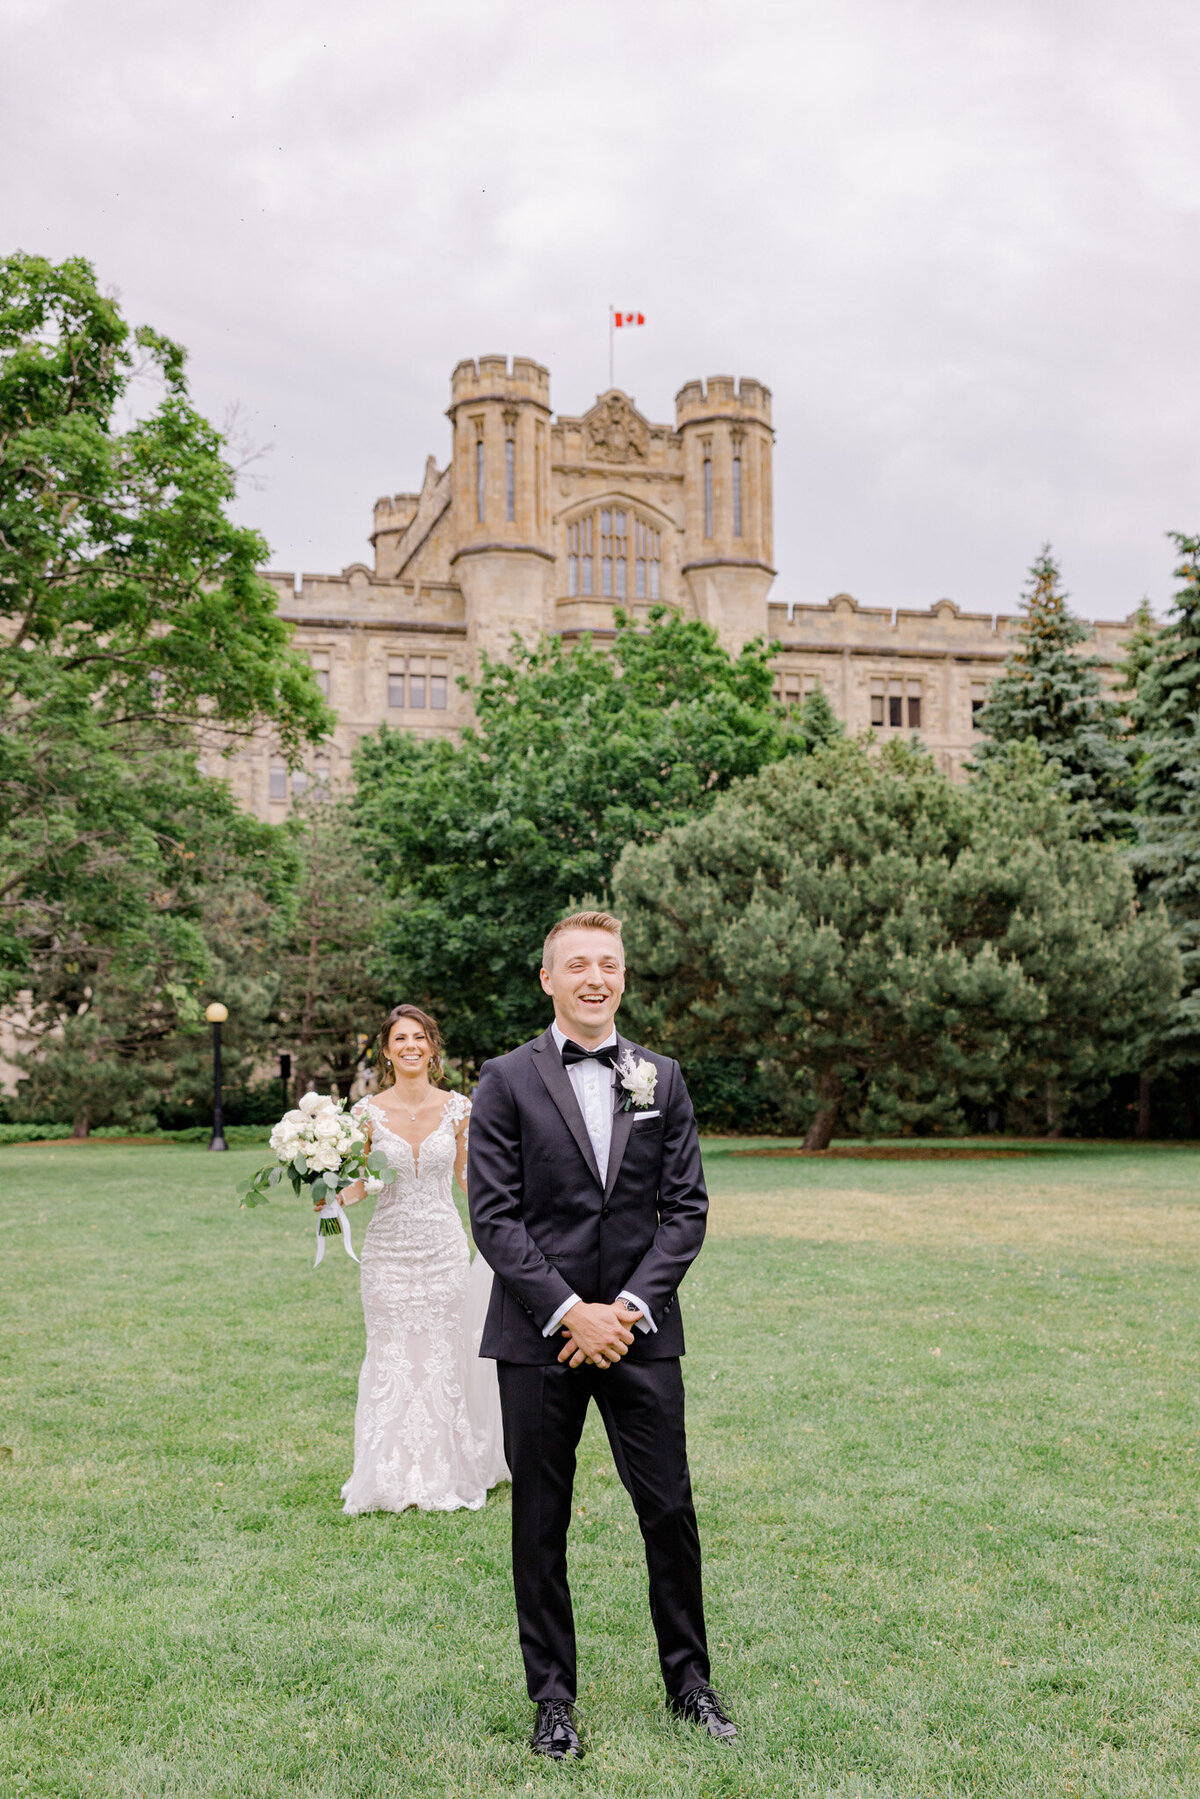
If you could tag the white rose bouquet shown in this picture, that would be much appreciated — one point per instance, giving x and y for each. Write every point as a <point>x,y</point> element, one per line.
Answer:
<point>321,1150</point>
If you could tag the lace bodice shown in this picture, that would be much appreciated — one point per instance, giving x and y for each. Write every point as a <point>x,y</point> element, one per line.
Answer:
<point>433,1160</point>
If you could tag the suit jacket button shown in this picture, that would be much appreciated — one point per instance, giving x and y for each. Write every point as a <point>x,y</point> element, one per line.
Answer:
<point>605,1211</point>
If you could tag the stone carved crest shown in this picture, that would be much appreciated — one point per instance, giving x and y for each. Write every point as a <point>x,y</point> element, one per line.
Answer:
<point>615,432</point>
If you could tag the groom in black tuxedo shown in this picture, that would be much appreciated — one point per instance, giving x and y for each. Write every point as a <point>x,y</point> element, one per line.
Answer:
<point>588,1202</point>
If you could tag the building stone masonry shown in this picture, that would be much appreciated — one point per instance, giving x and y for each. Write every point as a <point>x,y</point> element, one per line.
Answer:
<point>538,524</point>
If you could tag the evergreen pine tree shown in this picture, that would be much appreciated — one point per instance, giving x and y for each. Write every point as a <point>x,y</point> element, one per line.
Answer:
<point>1140,649</point>
<point>1167,860</point>
<point>1166,713</point>
<point>886,945</point>
<point>1052,695</point>
<point>327,993</point>
<point>1166,706</point>
<point>816,720</point>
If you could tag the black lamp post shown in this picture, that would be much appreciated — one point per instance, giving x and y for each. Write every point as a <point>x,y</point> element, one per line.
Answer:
<point>285,1075</point>
<point>216,1015</point>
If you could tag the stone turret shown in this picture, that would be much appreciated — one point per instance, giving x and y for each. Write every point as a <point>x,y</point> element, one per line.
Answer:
<point>727,548</point>
<point>502,554</point>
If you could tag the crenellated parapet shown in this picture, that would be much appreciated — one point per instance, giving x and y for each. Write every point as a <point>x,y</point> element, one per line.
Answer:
<point>723,398</point>
<point>491,378</point>
<point>395,511</point>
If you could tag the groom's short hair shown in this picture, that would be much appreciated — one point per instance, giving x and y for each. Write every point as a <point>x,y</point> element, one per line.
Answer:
<point>581,921</point>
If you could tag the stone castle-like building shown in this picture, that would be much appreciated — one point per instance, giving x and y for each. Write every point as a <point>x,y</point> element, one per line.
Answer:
<point>543,524</point>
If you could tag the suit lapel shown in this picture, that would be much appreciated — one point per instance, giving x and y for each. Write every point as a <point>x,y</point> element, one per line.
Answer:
<point>622,1122</point>
<point>557,1083</point>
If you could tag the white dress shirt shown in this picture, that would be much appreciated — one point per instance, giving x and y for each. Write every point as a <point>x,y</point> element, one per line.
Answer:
<point>593,1084</point>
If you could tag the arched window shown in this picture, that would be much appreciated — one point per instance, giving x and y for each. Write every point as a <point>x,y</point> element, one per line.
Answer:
<point>647,545</point>
<point>479,472</point>
<point>615,526</point>
<point>737,487</point>
<point>579,557</point>
<point>708,490</point>
<point>612,554</point>
<point>510,466</point>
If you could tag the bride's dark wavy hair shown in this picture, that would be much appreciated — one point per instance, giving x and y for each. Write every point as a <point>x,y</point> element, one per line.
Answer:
<point>387,1076</point>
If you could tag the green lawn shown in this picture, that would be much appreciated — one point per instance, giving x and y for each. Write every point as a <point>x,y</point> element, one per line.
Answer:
<point>943,1438</point>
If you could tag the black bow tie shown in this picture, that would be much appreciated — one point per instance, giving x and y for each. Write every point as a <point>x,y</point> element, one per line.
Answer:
<point>573,1052</point>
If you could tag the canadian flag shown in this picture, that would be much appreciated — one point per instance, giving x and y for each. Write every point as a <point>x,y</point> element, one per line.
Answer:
<point>628,318</point>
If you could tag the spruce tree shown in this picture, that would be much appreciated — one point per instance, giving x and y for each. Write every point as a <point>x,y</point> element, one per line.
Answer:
<point>816,721</point>
<point>1052,695</point>
<point>1166,707</point>
<point>1140,650</point>
<point>1167,859</point>
<point>1166,714</point>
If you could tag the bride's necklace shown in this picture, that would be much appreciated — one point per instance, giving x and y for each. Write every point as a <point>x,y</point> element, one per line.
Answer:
<point>406,1107</point>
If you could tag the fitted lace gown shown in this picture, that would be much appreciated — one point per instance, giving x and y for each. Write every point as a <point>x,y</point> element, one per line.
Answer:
<point>427,1427</point>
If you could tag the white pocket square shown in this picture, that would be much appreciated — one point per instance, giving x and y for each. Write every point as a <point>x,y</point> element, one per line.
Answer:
<point>638,1116</point>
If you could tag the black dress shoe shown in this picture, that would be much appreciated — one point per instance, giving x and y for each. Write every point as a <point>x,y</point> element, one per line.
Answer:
<point>701,1706</point>
<point>553,1732</point>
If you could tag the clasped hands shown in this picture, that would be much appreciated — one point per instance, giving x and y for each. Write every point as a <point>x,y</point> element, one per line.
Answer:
<point>598,1334</point>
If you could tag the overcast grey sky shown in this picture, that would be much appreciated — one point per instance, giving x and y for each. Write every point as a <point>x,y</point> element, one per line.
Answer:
<point>958,241</point>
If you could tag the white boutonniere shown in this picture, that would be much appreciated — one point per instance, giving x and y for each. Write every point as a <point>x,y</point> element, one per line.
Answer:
<point>639,1079</point>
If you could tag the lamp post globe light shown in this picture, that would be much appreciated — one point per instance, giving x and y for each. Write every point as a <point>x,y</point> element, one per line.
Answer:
<point>216,1015</point>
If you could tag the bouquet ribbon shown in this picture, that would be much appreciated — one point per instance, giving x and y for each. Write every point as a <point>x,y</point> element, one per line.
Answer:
<point>333,1208</point>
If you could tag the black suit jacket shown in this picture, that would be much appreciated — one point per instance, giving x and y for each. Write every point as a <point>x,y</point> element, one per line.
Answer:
<point>548,1227</point>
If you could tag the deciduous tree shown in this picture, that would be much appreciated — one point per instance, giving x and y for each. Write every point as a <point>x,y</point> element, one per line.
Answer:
<point>135,631</point>
<point>574,753</point>
<point>111,1017</point>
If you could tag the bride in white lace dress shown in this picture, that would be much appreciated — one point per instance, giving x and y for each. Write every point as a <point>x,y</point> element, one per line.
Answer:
<point>427,1427</point>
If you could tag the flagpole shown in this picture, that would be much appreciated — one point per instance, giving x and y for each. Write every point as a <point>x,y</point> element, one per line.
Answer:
<point>611,315</point>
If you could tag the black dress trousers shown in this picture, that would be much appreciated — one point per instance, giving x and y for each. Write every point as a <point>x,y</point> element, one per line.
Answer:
<point>641,1403</point>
